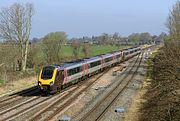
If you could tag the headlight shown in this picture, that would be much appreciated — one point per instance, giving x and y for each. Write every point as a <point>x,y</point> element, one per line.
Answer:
<point>39,83</point>
<point>51,83</point>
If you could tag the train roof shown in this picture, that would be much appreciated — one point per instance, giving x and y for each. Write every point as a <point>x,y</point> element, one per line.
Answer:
<point>79,61</point>
<point>107,55</point>
<point>68,64</point>
<point>92,58</point>
<point>116,53</point>
<point>132,48</point>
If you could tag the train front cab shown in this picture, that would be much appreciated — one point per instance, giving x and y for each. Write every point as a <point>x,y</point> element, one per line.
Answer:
<point>50,79</point>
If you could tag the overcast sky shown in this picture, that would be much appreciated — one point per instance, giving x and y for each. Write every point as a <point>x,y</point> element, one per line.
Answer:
<point>92,17</point>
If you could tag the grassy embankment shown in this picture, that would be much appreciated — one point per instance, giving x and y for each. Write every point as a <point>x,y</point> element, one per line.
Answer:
<point>68,53</point>
<point>163,93</point>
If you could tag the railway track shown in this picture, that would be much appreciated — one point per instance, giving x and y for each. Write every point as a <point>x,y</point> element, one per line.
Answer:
<point>39,101</point>
<point>14,112</point>
<point>55,109</point>
<point>17,98</point>
<point>51,106</point>
<point>98,111</point>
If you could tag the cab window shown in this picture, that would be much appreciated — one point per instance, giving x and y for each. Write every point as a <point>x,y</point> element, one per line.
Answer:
<point>47,72</point>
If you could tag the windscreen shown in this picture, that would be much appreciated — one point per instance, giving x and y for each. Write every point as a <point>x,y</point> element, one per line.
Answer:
<point>47,72</point>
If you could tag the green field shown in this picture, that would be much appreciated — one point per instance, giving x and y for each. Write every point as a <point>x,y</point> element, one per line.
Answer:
<point>95,50</point>
<point>66,53</point>
<point>102,49</point>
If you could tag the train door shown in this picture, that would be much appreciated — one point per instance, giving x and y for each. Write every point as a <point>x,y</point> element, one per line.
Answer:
<point>83,70</point>
<point>102,62</point>
<point>87,67</point>
<point>114,58</point>
<point>122,56</point>
<point>59,78</point>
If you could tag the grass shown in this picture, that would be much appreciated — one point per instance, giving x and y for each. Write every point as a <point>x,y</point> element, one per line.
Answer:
<point>150,64</point>
<point>17,85</point>
<point>95,50</point>
<point>1,82</point>
<point>102,49</point>
<point>67,52</point>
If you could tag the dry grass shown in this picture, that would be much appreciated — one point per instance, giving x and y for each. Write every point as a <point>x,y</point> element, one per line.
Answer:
<point>133,112</point>
<point>17,85</point>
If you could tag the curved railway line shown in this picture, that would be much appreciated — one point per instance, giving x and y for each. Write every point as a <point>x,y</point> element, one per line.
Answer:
<point>22,105</point>
<point>55,99</point>
<point>55,109</point>
<point>98,111</point>
<point>39,100</point>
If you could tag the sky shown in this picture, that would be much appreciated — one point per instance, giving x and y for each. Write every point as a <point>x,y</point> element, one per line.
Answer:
<point>93,17</point>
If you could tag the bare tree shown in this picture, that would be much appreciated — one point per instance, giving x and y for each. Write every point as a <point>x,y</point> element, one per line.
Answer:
<point>171,52</point>
<point>173,22</point>
<point>104,39</point>
<point>116,36</point>
<point>15,24</point>
<point>86,49</point>
<point>117,39</point>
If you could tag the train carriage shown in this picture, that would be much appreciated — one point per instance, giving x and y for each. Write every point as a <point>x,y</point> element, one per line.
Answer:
<point>54,77</point>
<point>117,57</point>
<point>94,65</point>
<point>75,71</point>
<point>108,60</point>
<point>130,52</point>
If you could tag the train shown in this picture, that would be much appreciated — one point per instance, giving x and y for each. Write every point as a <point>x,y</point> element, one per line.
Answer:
<point>53,78</point>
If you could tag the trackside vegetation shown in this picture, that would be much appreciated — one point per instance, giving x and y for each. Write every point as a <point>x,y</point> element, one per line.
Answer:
<point>162,98</point>
<point>37,59</point>
<point>163,95</point>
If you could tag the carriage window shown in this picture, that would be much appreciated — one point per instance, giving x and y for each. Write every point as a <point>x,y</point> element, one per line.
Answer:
<point>93,64</point>
<point>118,56</point>
<point>108,59</point>
<point>74,70</point>
<point>126,53</point>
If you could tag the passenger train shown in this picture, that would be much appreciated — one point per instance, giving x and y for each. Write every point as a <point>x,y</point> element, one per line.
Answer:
<point>53,78</point>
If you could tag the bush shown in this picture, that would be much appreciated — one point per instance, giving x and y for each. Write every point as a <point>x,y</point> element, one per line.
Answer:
<point>163,95</point>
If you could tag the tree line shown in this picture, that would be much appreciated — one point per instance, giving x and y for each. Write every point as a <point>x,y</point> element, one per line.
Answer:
<point>117,39</point>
